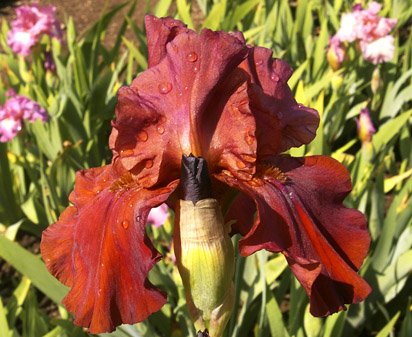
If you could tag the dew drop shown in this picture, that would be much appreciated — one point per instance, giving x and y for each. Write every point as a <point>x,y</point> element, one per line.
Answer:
<point>126,153</point>
<point>195,69</point>
<point>161,129</point>
<point>274,77</point>
<point>125,224</point>
<point>162,119</point>
<point>143,136</point>
<point>192,57</point>
<point>186,88</point>
<point>102,264</point>
<point>259,62</point>
<point>148,164</point>
<point>130,205</point>
<point>138,218</point>
<point>165,87</point>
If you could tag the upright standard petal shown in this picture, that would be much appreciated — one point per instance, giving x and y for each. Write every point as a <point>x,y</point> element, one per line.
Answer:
<point>281,123</point>
<point>185,105</point>
<point>300,214</point>
<point>100,250</point>
<point>159,33</point>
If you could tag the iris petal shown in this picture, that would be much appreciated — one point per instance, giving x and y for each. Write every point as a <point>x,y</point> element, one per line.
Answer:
<point>99,248</point>
<point>184,105</point>
<point>303,217</point>
<point>281,122</point>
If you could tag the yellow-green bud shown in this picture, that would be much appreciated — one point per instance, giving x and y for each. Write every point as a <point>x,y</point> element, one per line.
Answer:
<point>205,259</point>
<point>376,80</point>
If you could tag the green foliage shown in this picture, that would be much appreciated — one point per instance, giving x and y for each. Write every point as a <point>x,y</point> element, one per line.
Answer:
<point>37,168</point>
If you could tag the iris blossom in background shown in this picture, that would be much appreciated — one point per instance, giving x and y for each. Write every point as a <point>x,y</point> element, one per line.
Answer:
<point>16,109</point>
<point>32,21</point>
<point>370,30</point>
<point>158,215</point>
<point>213,96</point>
<point>365,127</point>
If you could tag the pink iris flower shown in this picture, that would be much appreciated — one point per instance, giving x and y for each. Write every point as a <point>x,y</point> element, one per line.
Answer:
<point>370,30</point>
<point>158,215</point>
<point>32,21</point>
<point>206,95</point>
<point>16,109</point>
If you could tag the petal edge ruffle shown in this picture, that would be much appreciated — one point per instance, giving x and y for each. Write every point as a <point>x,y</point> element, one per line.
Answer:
<point>303,217</point>
<point>100,249</point>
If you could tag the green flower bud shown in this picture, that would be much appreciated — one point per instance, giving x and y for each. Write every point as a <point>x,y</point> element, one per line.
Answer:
<point>205,259</point>
<point>376,82</point>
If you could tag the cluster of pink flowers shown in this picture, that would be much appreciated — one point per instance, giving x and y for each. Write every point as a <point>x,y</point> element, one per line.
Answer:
<point>31,23</point>
<point>370,30</point>
<point>14,111</point>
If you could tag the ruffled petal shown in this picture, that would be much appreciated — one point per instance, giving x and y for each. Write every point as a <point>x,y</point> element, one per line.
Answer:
<point>172,108</point>
<point>300,214</point>
<point>160,32</point>
<point>282,123</point>
<point>99,248</point>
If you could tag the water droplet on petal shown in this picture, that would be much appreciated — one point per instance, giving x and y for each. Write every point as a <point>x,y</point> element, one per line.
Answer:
<point>125,224</point>
<point>259,62</point>
<point>148,164</point>
<point>143,136</point>
<point>161,129</point>
<point>274,77</point>
<point>126,153</point>
<point>195,69</point>
<point>186,87</point>
<point>192,57</point>
<point>130,205</point>
<point>138,218</point>
<point>165,87</point>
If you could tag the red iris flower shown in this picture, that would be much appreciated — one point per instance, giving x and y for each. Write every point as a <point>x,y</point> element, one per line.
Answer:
<point>213,96</point>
